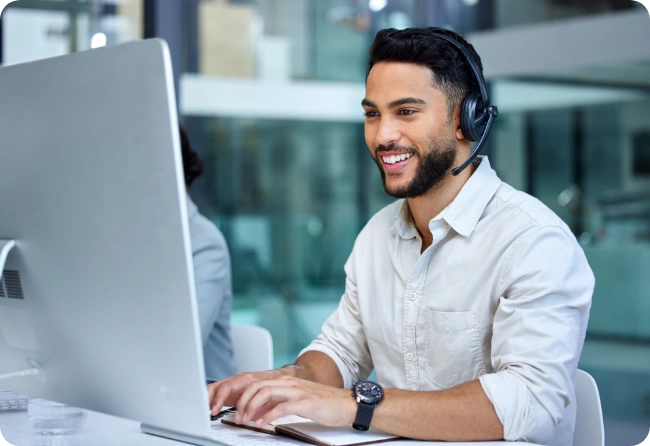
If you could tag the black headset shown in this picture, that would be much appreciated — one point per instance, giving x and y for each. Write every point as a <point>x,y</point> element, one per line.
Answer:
<point>476,113</point>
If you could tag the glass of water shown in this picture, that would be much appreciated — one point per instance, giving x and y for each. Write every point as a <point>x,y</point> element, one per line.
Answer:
<point>50,418</point>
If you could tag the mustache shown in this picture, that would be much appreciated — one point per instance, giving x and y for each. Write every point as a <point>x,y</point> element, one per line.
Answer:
<point>395,148</point>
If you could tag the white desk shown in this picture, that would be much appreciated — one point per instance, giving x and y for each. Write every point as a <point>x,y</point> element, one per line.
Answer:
<point>105,430</point>
<point>99,430</point>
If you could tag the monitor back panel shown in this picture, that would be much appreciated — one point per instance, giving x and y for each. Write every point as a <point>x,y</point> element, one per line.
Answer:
<point>91,188</point>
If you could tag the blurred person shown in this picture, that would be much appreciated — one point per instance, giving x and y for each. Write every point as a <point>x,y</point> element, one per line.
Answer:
<point>211,274</point>
<point>469,299</point>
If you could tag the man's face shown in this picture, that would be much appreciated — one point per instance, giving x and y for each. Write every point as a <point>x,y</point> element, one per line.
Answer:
<point>408,129</point>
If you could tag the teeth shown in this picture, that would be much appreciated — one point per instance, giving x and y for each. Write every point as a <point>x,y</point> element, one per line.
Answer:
<point>395,159</point>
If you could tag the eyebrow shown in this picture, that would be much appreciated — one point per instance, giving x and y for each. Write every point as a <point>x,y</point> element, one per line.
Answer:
<point>395,103</point>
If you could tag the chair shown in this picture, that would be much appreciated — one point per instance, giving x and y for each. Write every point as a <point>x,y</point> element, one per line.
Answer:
<point>589,429</point>
<point>252,348</point>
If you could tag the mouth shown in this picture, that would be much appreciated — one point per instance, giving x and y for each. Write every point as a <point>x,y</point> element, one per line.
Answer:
<point>394,161</point>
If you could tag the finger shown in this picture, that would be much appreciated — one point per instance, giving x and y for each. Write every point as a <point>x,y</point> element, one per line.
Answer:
<point>269,395</point>
<point>281,410</point>
<point>254,387</point>
<point>246,396</point>
<point>212,391</point>
<point>225,393</point>
<point>230,390</point>
<point>264,410</point>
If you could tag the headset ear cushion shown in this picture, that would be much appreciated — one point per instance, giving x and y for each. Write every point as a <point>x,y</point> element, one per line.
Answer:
<point>471,111</point>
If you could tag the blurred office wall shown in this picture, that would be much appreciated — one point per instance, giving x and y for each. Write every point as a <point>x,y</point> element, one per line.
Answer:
<point>270,92</point>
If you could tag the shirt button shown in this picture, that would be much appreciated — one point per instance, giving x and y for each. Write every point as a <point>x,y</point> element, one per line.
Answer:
<point>413,296</point>
<point>410,356</point>
<point>416,237</point>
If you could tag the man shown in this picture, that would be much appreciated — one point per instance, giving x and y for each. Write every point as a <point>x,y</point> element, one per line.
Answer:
<point>470,299</point>
<point>212,276</point>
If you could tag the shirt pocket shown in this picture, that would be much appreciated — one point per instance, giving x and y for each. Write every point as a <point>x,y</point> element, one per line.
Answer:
<point>452,348</point>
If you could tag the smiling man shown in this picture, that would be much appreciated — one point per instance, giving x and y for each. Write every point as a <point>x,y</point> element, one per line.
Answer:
<point>468,298</point>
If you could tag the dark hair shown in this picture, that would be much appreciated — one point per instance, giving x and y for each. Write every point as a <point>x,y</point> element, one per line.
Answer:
<point>451,71</point>
<point>192,163</point>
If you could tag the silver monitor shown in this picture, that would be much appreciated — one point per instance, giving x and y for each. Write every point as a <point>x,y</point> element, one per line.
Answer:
<point>99,289</point>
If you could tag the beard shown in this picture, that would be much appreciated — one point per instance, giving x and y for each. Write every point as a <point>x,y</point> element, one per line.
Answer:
<point>432,167</point>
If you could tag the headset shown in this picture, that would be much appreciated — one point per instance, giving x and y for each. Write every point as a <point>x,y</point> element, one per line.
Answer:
<point>476,113</point>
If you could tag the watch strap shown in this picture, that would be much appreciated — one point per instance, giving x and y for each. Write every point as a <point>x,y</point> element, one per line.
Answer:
<point>364,416</point>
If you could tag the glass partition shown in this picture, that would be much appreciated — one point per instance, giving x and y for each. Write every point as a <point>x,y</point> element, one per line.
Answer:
<point>588,163</point>
<point>290,198</point>
<point>36,29</point>
<point>329,39</point>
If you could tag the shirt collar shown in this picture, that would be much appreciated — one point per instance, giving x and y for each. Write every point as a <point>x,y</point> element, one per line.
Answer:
<point>404,222</point>
<point>464,212</point>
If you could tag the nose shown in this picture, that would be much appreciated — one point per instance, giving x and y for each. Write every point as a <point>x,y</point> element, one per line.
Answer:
<point>387,132</point>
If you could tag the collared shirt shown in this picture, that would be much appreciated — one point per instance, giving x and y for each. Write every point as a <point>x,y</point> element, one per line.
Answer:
<point>502,295</point>
<point>213,293</point>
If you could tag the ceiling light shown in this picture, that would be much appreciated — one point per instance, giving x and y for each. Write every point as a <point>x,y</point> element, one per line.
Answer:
<point>98,40</point>
<point>377,5</point>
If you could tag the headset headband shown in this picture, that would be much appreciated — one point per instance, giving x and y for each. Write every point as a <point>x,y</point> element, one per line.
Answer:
<point>472,64</point>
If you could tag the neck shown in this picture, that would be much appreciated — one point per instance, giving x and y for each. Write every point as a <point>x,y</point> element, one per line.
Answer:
<point>425,207</point>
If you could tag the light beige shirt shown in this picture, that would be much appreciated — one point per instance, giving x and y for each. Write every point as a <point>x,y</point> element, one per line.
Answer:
<point>503,295</point>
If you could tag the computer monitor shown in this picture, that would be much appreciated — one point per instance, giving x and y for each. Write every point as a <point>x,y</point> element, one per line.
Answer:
<point>99,288</point>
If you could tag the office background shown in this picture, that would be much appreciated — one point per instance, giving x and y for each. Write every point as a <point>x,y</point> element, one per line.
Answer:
<point>269,91</point>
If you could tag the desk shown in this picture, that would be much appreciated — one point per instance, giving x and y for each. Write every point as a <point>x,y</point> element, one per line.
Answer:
<point>99,430</point>
<point>106,430</point>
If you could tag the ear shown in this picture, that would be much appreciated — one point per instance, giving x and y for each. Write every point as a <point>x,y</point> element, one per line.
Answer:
<point>459,132</point>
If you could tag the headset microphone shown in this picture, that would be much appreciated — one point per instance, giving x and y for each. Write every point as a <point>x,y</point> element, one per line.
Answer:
<point>492,113</point>
<point>476,113</point>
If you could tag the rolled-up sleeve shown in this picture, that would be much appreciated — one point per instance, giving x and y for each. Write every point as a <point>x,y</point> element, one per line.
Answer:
<point>342,337</point>
<point>544,295</point>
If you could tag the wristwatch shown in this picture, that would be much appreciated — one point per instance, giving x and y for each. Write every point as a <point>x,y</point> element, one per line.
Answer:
<point>368,395</point>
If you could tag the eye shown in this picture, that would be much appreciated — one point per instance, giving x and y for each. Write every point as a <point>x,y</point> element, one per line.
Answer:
<point>370,113</point>
<point>406,112</point>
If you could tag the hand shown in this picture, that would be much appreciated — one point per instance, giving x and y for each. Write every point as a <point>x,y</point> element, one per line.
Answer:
<point>267,400</point>
<point>227,391</point>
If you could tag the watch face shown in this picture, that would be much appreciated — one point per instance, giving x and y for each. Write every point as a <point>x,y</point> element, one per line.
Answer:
<point>369,392</point>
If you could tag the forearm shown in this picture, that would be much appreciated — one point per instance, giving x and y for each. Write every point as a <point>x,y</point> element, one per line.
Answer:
<point>463,413</point>
<point>315,366</point>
